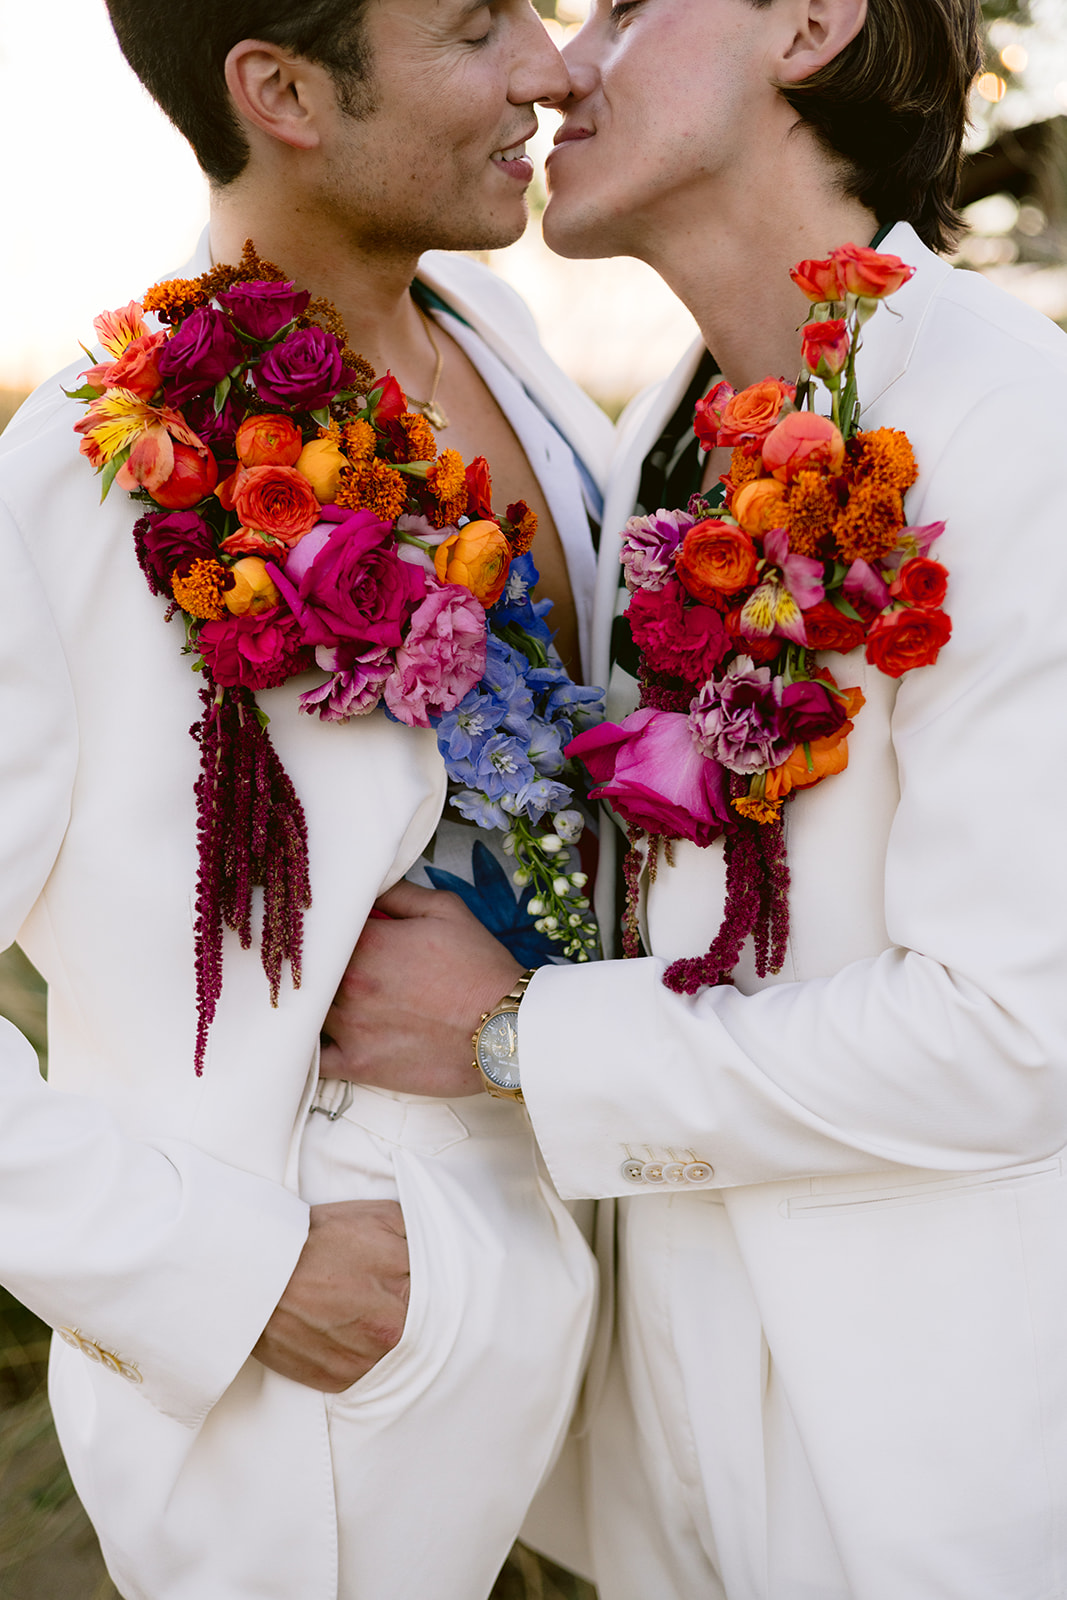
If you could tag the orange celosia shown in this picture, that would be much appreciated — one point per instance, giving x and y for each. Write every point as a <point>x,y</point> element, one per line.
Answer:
<point>199,589</point>
<point>744,466</point>
<point>375,487</point>
<point>812,508</point>
<point>869,525</point>
<point>447,477</point>
<point>522,527</point>
<point>885,458</point>
<point>358,440</point>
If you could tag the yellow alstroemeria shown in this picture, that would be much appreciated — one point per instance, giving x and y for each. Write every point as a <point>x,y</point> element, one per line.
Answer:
<point>771,609</point>
<point>117,329</point>
<point>117,419</point>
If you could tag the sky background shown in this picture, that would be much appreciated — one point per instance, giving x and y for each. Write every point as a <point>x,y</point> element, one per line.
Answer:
<point>99,197</point>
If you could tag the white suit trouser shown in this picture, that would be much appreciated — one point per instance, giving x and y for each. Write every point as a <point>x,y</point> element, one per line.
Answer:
<point>439,1449</point>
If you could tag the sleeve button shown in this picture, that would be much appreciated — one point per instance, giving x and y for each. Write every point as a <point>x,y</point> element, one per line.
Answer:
<point>652,1171</point>
<point>698,1172</point>
<point>633,1171</point>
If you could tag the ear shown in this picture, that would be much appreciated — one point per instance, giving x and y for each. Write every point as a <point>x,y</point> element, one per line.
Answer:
<point>275,92</point>
<point>821,30</point>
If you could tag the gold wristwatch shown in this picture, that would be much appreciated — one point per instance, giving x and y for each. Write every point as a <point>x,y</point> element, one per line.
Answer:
<point>496,1044</point>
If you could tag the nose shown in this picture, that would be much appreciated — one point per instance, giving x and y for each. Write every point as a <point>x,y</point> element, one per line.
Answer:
<point>538,75</point>
<point>581,68</point>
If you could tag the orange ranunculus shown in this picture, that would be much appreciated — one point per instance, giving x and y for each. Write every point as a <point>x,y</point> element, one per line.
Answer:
<point>753,412</point>
<point>252,590</point>
<point>477,558</point>
<point>322,464</point>
<point>803,439</point>
<point>250,542</point>
<point>819,280</point>
<point>761,505</point>
<point>278,500</point>
<point>827,755</point>
<point>716,559</point>
<point>174,474</point>
<point>268,440</point>
<point>868,273</point>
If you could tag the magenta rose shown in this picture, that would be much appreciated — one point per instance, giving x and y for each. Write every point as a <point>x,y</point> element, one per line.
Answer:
<point>650,770</point>
<point>202,351</point>
<point>304,371</point>
<point>216,428</point>
<point>685,641</point>
<point>345,582</point>
<point>809,711</point>
<point>163,539</point>
<point>735,720</point>
<point>261,309</point>
<point>442,656</point>
<point>356,685</point>
<point>256,651</point>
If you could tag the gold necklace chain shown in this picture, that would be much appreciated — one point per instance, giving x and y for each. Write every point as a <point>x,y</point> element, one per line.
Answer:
<point>429,408</point>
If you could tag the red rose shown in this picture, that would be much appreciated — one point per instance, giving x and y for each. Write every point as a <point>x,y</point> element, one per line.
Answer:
<point>868,273</point>
<point>900,640</point>
<point>479,490</point>
<point>829,629</point>
<point>195,474</point>
<point>707,414</point>
<point>276,500</point>
<point>824,346</point>
<point>921,582</point>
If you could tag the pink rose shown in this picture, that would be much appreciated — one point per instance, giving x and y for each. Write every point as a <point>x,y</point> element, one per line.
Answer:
<point>345,581</point>
<point>803,439</point>
<point>442,657</point>
<point>651,771</point>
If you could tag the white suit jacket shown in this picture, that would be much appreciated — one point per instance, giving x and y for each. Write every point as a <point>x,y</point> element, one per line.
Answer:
<point>152,1211</point>
<point>920,1019</point>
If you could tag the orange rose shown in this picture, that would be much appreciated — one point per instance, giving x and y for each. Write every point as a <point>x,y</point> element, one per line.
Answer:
<point>761,505</point>
<point>322,463</point>
<point>252,590</point>
<point>477,558</point>
<point>277,500</point>
<point>803,439</point>
<point>869,274</point>
<point>820,759</point>
<point>900,640</point>
<point>752,413</point>
<point>819,280</point>
<point>716,559</point>
<point>921,582</point>
<point>268,441</point>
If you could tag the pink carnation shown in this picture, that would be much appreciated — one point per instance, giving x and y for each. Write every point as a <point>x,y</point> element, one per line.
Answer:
<point>685,641</point>
<point>442,656</point>
<point>258,651</point>
<point>356,685</point>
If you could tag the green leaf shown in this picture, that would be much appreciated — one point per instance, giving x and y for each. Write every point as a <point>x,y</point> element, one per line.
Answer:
<point>88,391</point>
<point>107,476</point>
<point>846,608</point>
<point>222,389</point>
<point>322,416</point>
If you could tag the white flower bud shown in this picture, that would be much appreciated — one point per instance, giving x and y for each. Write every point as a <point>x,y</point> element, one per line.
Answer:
<point>560,885</point>
<point>548,924</point>
<point>536,908</point>
<point>574,920</point>
<point>520,877</point>
<point>551,844</point>
<point>579,879</point>
<point>508,843</point>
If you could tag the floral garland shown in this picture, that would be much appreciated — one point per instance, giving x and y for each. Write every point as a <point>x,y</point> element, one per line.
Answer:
<point>808,551</point>
<point>300,516</point>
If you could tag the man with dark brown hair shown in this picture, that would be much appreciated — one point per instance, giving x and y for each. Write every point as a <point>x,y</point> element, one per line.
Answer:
<point>837,1368</point>
<point>250,1402</point>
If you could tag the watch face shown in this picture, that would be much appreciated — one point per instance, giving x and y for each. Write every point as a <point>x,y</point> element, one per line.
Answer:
<point>498,1050</point>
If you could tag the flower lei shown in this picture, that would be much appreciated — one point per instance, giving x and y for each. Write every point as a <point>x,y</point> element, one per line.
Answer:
<point>809,551</point>
<point>299,516</point>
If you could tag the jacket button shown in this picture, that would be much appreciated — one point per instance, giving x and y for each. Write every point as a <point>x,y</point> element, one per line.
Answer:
<point>71,1337</point>
<point>698,1172</point>
<point>130,1372</point>
<point>674,1172</point>
<point>652,1171</point>
<point>633,1171</point>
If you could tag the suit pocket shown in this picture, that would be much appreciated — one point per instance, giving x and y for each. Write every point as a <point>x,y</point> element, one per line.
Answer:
<point>920,1190</point>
